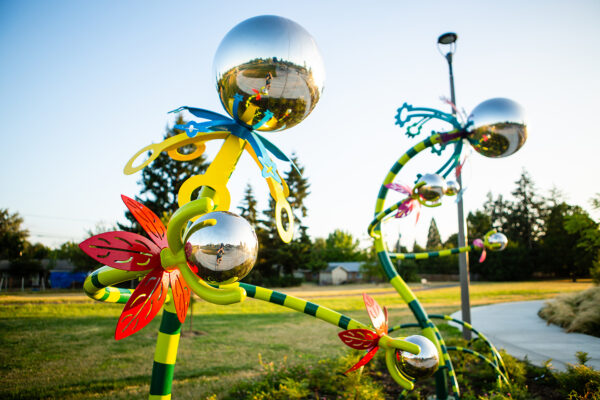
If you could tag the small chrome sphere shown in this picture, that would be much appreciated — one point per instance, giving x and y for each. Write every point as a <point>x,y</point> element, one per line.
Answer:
<point>273,67</point>
<point>497,241</point>
<point>420,365</point>
<point>497,128</point>
<point>223,246</point>
<point>452,188</point>
<point>430,188</point>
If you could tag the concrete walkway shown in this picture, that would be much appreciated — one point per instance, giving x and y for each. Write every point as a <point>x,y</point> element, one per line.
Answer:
<point>517,328</point>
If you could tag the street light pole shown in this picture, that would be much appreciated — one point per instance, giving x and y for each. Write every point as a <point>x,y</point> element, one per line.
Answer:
<point>449,41</point>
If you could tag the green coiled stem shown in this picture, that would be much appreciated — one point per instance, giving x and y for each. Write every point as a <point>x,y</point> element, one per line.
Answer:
<point>429,330</point>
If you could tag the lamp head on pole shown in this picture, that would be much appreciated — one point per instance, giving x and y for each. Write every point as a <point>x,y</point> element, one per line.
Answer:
<point>447,43</point>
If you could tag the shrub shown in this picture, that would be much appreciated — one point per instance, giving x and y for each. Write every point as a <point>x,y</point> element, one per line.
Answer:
<point>576,312</point>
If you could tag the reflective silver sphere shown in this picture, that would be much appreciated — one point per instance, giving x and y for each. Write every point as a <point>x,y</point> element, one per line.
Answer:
<point>452,188</point>
<point>497,241</point>
<point>421,365</point>
<point>223,252</point>
<point>275,66</point>
<point>430,188</point>
<point>497,128</point>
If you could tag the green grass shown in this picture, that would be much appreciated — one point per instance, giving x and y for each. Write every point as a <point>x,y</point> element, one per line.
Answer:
<point>62,346</point>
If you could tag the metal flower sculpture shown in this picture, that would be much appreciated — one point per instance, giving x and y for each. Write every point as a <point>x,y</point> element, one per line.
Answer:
<point>495,128</point>
<point>406,359</point>
<point>129,251</point>
<point>366,339</point>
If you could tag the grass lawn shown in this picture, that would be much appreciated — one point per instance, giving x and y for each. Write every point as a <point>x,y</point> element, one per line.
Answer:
<point>61,345</point>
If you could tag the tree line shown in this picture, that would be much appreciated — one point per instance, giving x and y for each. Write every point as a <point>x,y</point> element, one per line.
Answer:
<point>547,236</point>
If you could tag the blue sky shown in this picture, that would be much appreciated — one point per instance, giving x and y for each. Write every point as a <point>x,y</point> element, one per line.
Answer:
<point>85,85</point>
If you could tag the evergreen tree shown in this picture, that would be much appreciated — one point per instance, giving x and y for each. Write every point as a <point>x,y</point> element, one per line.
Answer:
<point>248,208</point>
<point>299,186</point>
<point>558,245</point>
<point>434,241</point>
<point>478,224</point>
<point>498,210</point>
<point>163,178</point>
<point>526,218</point>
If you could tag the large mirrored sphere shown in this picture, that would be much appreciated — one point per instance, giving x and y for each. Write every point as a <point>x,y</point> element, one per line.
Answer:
<point>420,365</point>
<point>497,128</point>
<point>274,67</point>
<point>430,188</point>
<point>497,241</point>
<point>225,250</point>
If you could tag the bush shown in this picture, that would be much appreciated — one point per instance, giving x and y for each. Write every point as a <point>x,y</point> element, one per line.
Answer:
<point>323,380</point>
<point>576,312</point>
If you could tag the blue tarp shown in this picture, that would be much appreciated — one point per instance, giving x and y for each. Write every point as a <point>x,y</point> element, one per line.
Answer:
<point>64,280</point>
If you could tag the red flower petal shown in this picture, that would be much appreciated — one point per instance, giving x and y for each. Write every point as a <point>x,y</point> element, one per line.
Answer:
<point>122,250</point>
<point>148,220</point>
<point>143,305</point>
<point>375,314</point>
<point>359,339</point>
<point>181,294</point>
<point>364,360</point>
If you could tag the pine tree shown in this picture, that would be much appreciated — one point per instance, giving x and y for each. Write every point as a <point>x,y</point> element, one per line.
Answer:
<point>526,218</point>
<point>248,208</point>
<point>299,186</point>
<point>434,241</point>
<point>162,179</point>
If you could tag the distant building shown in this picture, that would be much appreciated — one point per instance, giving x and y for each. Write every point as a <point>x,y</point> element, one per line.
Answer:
<point>341,272</point>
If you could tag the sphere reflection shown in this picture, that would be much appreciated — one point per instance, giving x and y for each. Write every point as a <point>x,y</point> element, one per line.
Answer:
<point>420,365</point>
<point>452,188</point>
<point>273,67</point>
<point>497,128</point>
<point>430,188</point>
<point>497,241</point>
<point>223,246</point>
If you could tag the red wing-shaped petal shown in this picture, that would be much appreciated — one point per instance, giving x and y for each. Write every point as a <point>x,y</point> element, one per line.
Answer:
<point>359,339</point>
<point>181,294</point>
<point>375,314</point>
<point>148,220</point>
<point>364,360</point>
<point>122,250</point>
<point>143,305</point>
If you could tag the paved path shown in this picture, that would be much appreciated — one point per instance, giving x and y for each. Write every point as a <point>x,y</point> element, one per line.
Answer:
<point>517,328</point>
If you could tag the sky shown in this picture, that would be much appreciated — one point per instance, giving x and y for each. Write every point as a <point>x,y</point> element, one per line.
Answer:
<point>85,85</point>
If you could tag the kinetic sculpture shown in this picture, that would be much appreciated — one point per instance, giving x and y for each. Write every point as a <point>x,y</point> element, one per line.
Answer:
<point>495,128</point>
<point>269,76</point>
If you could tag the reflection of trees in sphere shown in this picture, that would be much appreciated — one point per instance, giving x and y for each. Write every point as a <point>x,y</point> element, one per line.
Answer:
<point>498,241</point>
<point>420,365</point>
<point>430,188</point>
<point>275,66</point>
<point>497,128</point>
<point>452,188</point>
<point>225,250</point>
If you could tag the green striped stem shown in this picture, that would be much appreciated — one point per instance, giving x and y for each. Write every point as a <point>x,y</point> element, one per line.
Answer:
<point>301,305</point>
<point>431,254</point>
<point>98,285</point>
<point>165,354</point>
<point>494,351</point>
<point>491,363</point>
<point>429,329</point>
